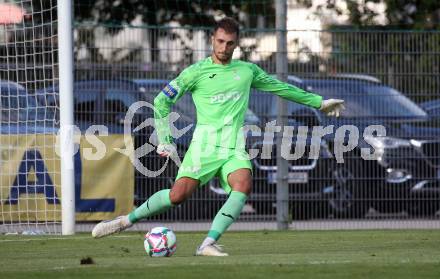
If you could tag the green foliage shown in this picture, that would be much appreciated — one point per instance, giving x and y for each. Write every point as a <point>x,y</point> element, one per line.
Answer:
<point>405,60</point>
<point>408,14</point>
<point>200,14</point>
<point>418,14</point>
<point>159,12</point>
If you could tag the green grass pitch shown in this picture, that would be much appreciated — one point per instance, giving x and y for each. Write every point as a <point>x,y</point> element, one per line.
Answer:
<point>262,254</point>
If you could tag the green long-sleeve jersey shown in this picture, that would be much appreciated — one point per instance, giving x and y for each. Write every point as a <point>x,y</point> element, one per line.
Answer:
<point>221,95</point>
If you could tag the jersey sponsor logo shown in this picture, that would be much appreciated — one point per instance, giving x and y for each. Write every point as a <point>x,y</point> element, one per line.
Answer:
<point>212,76</point>
<point>226,96</point>
<point>171,90</point>
<point>190,169</point>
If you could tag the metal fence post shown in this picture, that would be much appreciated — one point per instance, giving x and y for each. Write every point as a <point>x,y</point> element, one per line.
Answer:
<point>282,194</point>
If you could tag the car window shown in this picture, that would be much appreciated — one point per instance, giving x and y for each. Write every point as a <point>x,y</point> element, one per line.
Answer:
<point>85,104</point>
<point>18,105</point>
<point>434,112</point>
<point>114,112</point>
<point>264,104</point>
<point>86,95</point>
<point>127,98</point>
<point>85,111</point>
<point>368,99</point>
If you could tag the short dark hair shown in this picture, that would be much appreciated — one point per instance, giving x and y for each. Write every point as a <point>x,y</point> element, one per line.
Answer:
<point>228,24</point>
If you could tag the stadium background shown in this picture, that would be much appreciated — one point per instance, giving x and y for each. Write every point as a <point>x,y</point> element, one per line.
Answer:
<point>117,42</point>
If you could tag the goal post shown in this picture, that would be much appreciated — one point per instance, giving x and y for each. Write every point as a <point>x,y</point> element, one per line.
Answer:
<point>65,54</point>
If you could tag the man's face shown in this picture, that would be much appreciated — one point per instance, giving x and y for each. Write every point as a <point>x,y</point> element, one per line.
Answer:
<point>224,44</point>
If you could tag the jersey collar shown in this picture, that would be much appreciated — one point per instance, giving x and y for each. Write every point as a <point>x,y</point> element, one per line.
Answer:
<point>220,65</point>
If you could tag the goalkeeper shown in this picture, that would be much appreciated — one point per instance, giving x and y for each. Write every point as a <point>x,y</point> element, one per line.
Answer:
<point>220,89</point>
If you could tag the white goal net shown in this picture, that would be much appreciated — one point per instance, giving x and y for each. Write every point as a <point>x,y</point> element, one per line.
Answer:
<point>30,188</point>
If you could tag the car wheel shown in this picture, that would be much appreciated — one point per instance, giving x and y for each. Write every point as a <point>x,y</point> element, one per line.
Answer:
<point>346,201</point>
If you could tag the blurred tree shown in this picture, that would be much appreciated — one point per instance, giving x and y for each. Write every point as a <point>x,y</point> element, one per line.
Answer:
<point>156,13</point>
<point>414,14</point>
<point>412,57</point>
<point>186,12</point>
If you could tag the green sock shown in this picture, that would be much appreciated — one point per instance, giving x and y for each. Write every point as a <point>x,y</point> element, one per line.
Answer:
<point>227,214</point>
<point>157,203</point>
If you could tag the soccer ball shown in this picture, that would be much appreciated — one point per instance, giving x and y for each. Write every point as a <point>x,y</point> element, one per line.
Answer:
<point>160,242</point>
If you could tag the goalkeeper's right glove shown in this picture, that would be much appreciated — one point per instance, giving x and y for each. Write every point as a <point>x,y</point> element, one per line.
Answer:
<point>166,149</point>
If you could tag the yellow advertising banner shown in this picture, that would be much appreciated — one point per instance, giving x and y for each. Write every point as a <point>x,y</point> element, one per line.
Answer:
<point>30,179</point>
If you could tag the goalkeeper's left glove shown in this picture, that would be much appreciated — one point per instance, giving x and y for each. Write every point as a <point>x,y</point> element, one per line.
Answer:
<point>332,107</point>
<point>166,150</point>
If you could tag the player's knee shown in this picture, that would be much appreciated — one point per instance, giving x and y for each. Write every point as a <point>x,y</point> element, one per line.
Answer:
<point>177,198</point>
<point>182,190</point>
<point>244,186</point>
<point>178,195</point>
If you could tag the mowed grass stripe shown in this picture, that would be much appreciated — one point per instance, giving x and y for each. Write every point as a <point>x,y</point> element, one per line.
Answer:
<point>263,254</point>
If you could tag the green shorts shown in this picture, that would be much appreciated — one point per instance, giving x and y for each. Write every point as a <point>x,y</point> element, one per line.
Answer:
<point>205,162</point>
